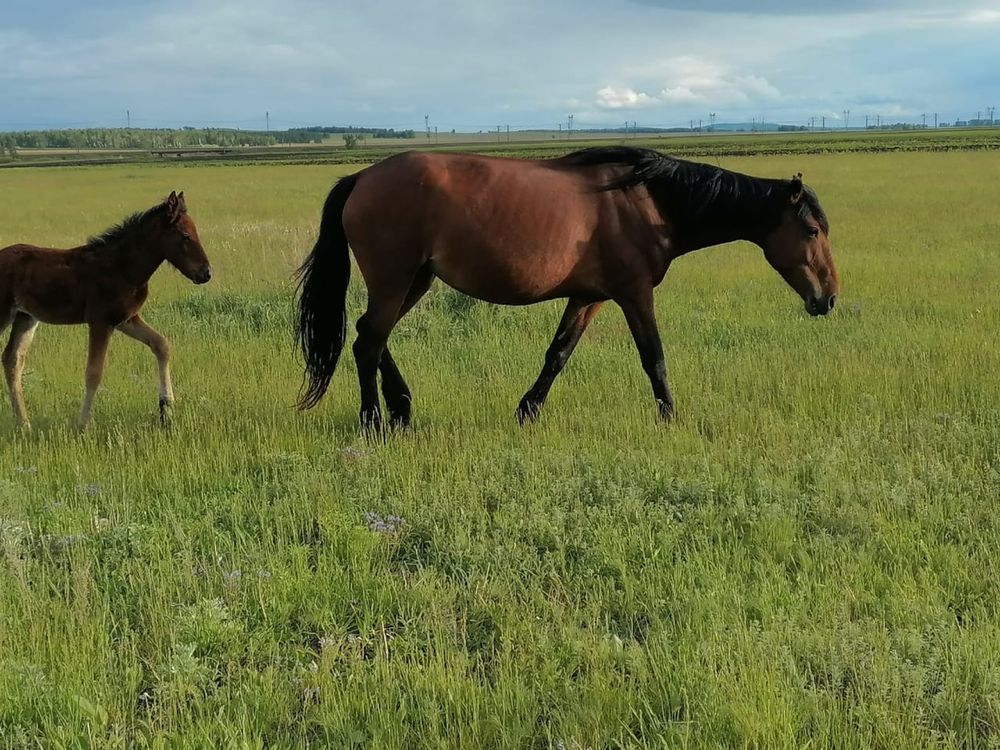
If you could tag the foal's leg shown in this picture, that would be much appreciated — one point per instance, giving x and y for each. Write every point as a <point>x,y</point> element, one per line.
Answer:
<point>397,394</point>
<point>100,334</point>
<point>138,329</point>
<point>641,319</point>
<point>574,321</point>
<point>21,333</point>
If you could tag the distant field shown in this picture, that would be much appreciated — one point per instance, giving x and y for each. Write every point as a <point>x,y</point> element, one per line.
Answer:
<point>807,558</point>
<point>536,144</point>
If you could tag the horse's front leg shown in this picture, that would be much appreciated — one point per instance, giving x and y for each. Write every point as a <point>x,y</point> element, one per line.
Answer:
<point>100,335</point>
<point>138,329</point>
<point>574,322</point>
<point>638,309</point>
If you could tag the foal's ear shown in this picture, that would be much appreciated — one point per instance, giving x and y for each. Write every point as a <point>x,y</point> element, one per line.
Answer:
<point>174,206</point>
<point>796,188</point>
<point>181,205</point>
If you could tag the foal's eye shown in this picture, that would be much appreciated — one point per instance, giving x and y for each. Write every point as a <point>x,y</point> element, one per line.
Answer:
<point>813,232</point>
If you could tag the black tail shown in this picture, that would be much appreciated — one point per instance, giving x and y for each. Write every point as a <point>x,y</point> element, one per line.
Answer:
<point>323,278</point>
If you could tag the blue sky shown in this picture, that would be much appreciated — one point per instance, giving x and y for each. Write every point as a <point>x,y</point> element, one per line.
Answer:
<point>473,65</point>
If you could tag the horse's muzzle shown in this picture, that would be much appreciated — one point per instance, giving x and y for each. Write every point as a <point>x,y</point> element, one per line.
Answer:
<point>202,275</point>
<point>820,305</point>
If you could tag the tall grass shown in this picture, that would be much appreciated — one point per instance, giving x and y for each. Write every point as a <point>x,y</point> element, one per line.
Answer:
<point>807,557</point>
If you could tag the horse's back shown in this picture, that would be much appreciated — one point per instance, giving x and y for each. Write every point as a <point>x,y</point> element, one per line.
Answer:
<point>503,230</point>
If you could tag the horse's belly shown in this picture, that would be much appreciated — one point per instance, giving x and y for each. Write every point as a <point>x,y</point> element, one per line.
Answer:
<point>506,277</point>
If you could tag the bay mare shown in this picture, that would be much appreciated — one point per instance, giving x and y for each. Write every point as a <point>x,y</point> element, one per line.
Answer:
<point>102,284</point>
<point>596,225</point>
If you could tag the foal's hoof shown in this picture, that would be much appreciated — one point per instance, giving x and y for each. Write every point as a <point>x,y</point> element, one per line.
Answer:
<point>527,412</point>
<point>165,405</point>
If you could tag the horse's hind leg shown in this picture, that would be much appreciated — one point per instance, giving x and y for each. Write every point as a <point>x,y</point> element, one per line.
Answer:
<point>398,398</point>
<point>385,300</point>
<point>22,331</point>
<point>574,322</point>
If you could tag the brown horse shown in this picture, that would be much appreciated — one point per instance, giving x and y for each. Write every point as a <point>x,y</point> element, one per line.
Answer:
<point>103,284</point>
<point>595,225</point>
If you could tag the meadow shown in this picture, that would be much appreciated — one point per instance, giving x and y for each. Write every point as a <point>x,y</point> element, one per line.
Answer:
<point>807,557</point>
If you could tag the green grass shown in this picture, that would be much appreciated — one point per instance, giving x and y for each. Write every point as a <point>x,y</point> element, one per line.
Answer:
<point>808,557</point>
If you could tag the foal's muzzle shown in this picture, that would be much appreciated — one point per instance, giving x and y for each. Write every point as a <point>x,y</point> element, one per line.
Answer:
<point>202,275</point>
<point>820,305</point>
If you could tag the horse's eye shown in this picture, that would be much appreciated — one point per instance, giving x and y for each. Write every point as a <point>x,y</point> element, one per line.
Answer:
<point>813,232</point>
<point>185,235</point>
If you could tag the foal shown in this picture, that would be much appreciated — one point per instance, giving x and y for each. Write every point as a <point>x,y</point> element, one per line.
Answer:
<point>103,284</point>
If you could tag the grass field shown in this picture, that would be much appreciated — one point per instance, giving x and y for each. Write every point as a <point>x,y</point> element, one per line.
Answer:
<point>806,558</point>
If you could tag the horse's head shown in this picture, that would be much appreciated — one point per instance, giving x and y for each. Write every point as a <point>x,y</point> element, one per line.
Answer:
<point>182,247</point>
<point>799,249</point>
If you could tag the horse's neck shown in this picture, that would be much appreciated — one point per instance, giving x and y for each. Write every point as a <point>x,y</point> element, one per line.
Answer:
<point>137,259</point>
<point>722,220</point>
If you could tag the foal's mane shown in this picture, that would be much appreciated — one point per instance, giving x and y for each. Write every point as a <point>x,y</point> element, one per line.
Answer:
<point>698,188</point>
<point>126,229</point>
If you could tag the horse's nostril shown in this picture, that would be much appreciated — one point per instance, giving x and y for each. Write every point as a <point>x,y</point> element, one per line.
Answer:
<point>833,300</point>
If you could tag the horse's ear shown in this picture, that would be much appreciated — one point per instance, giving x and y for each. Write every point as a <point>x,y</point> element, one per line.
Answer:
<point>796,188</point>
<point>173,204</point>
<point>181,205</point>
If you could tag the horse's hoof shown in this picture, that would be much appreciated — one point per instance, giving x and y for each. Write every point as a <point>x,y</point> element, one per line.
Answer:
<point>399,414</point>
<point>666,411</point>
<point>371,422</point>
<point>527,412</point>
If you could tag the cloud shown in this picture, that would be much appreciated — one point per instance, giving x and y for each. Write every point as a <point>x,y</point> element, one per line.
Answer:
<point>691,80</point>
<point>612,98</point>
<point>471,64</point>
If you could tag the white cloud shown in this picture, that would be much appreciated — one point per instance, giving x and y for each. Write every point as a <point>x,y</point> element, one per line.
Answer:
<point>612,98</point>
<point>692,80</point>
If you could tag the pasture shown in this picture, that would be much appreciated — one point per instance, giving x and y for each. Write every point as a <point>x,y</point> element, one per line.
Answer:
<point>806,557</point>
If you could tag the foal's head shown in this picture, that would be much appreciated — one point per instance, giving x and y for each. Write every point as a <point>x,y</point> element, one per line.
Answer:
<point>799,249</point>
<point>181,245</point>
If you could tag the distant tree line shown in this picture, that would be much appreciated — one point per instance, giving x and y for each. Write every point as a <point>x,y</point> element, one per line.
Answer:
<point>317,133</point>
<point>154,138</point>
<point>140,138</point>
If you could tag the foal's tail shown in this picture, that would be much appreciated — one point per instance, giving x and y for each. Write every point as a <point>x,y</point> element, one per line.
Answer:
<point>323,278</point>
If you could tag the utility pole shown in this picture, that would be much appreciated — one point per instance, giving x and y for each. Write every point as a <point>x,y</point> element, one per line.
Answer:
<point>935,120</point>
<point>989,111</point>
<point>691,125</point>
<point>866,122</point>
<point>923,118</point>
<point>699,124</point>
<point>847,118</point>
<point>711,116</point>
<point>508,134</point>
<point>267,118</point>
<point>128,119</point>
<point>570,127</point>
<point>435,135</point>
<point>823,126</point>
<point>427,127</point>
<point>812,122</point>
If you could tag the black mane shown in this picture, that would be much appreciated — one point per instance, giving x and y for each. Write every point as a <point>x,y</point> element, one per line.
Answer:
<point>125,229</point>
<point>701,191</point>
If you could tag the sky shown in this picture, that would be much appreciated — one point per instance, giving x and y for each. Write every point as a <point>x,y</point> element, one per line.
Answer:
<point>475,64</point>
